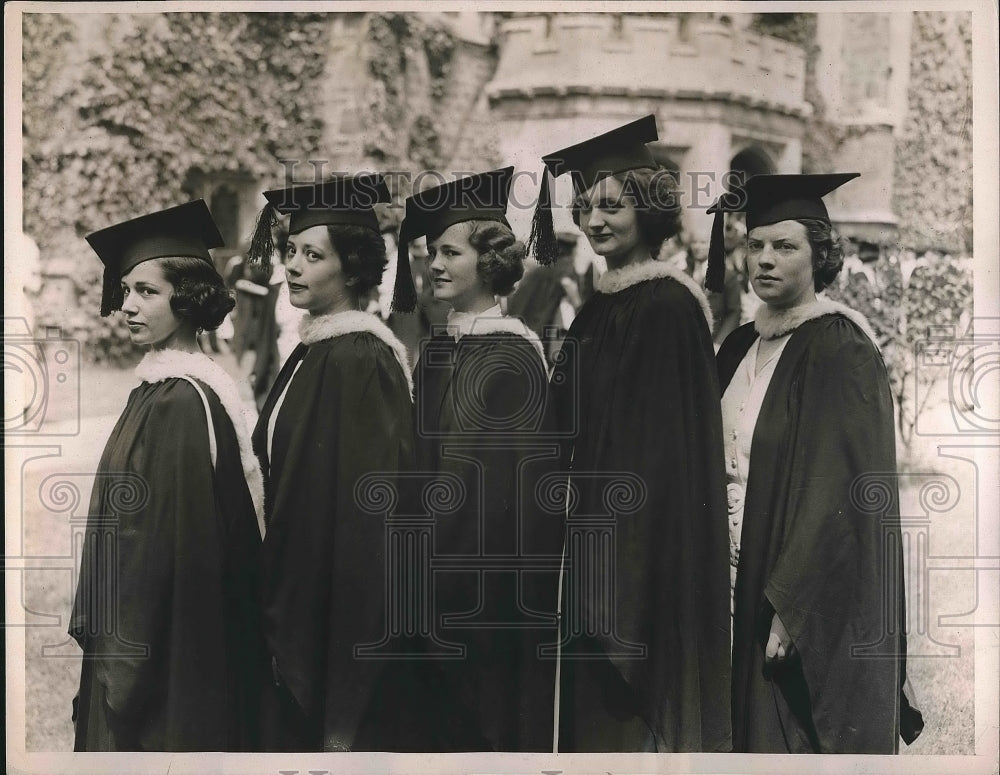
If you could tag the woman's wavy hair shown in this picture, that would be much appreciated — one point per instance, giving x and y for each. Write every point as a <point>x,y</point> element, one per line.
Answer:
<point>501,254</point>
<point>827,252</point>
<point>656,201</point>
<point>362,255</point>
<point>200,296</point>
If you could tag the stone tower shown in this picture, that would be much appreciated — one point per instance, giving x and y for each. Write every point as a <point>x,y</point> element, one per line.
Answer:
<point>725,97</point>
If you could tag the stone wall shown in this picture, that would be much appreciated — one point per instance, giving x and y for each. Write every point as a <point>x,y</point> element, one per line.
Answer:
<point>641,55</point>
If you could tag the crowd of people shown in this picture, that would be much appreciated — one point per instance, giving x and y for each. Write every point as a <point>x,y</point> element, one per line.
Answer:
<point>596,513</point>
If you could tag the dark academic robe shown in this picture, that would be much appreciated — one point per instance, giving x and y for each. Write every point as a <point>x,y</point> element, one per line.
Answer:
<point>821,548</point>
<point>166,609</point>
<point>347,413</point>
<point>645,664</point>
<point>482,418</point>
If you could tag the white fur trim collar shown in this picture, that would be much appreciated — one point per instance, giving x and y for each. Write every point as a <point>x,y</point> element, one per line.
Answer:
<point>159,365</point>
<point>316,328</point>
<point>484,325</point>
<point>615,280</point>
<point>772,323</point>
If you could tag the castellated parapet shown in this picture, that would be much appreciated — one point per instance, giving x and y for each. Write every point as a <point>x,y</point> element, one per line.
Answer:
<point>623,55</point>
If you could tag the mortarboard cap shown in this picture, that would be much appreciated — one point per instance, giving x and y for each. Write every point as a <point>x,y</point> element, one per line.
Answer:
<point>345,200</point>
<point>619,150</point>
<point>183,231</point>
<point>481,197</point>
<point>768,199</point>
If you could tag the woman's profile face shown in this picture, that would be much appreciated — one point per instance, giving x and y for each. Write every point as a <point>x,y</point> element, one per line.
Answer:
<point>779,258</point>
<point>313,271</point>
<point>609,219</point>
<point>454,266</point>
<point>146,306</point>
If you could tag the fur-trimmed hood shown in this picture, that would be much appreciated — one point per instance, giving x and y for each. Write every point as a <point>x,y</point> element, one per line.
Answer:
<point>615,280</point>
<point>160,365</point>
<point>484,325</point>
<point>772,323</point>
<point>316,328</point>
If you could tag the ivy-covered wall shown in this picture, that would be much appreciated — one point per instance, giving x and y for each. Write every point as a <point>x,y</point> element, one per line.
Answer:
<point>423,103</point>
<point>933,145</point>
<point>158,102</point>
<point>933,179</point>
<point>161,97</point>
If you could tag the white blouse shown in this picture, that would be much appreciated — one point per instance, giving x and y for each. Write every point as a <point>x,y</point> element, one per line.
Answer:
<point>462,323</point>
<point>741,404</point>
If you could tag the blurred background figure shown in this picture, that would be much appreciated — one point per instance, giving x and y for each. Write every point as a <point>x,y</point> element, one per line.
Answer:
<point>277,334</point>
<point>548,297</point>
<point>379,300</point>
<point>726,305</point>
<point>249,285</point>
<point>673,251</point>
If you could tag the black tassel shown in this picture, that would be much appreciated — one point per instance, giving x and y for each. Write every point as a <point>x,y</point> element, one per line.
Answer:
<point>404,292</point>
<point>111,293</point>
<point>542,244</point>
<point>262,241</point>
<point>715,274</point>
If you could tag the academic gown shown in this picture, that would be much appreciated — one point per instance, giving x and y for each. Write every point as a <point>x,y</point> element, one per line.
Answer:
<point>813,551</point>
<point>347,413</point>
<point>482,418</point>
<point>175,665</point>
<point>637,394</point>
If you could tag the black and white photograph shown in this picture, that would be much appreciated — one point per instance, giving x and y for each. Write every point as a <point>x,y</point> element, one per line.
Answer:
<point>509,387</point>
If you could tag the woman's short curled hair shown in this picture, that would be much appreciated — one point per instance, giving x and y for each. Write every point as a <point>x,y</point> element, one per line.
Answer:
<point>362,255</point>
<point>827,253</point>
<point>501,255</point>
<point>200,295</point>
<point>656,201</point>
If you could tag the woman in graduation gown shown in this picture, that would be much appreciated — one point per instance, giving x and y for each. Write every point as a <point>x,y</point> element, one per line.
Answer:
<point>339,409</point>
<point>819,647</point>
<point>166,609</point>
<point>480,407</point>
<point>647,667</point>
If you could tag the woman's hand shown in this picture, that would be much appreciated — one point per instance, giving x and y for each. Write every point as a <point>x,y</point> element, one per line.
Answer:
<point>779,642</point>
